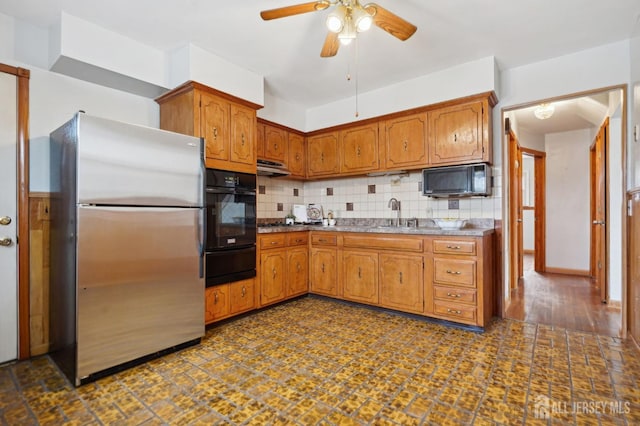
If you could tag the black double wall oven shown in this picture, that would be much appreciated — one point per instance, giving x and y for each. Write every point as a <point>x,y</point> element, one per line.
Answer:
<point>230,253</point>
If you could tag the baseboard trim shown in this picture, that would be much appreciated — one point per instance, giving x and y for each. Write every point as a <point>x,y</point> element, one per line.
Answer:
<point>526,251</point>
<point>617,304</point>
<point>566,271</point>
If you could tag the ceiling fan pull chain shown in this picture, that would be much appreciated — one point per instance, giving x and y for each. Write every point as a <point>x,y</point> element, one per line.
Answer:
<point>357,113</point>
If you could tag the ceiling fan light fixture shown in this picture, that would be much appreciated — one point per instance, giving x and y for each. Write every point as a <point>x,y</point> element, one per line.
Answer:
<point>336,19</point>
<point>362,19</point>
<point>348,33</point>
<point>544,111</point>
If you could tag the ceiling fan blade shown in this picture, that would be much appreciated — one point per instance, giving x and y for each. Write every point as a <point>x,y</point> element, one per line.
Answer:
<point>331,44</point>
<point>296,9</point>
<point>391,23</point>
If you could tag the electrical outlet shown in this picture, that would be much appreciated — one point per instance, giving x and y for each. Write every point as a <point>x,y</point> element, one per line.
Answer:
<point>454,204</point>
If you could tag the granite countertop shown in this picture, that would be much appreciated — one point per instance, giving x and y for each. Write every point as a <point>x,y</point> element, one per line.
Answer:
<point>473,228</point>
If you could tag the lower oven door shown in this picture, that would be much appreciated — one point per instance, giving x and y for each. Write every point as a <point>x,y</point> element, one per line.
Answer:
<point>231,219</point>
<point>230,265</point>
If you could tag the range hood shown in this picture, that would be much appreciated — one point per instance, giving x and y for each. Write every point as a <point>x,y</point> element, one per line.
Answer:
<point>272,168</point>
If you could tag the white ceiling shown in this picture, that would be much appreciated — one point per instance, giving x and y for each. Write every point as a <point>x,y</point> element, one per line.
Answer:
<point>287,51</point>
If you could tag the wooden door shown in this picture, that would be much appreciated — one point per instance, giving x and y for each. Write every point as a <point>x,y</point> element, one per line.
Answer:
<point>242,143</point>
<point>598,256</point>
<point>515,211</point>
<point>456,134</point>
<point>323,271</point>
<point>405,142</point>
<point>322,155</point>
<point>401,282</point>
<point>272,276</point>
<point>215,128</point>
<point>360,275</point>
<point>540,257</point>
<point>296,150</point>
<point>297,271</point>
<point>359,149</point>
<point>275,143</point>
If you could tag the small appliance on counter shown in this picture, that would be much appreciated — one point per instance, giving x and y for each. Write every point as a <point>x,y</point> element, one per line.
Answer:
<point>300,212</point>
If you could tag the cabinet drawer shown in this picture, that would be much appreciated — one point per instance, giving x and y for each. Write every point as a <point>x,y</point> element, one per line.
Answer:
<point>321,239</point>
<point>383,243</point>
<point>455,312</point>
<point>456,294</point>
<point>298,239</point>
<point>272,241</point>
<point>454,271</point>
<point>454,247</point>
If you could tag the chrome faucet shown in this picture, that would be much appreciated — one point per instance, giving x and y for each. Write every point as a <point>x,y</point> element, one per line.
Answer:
<point>394,204</point>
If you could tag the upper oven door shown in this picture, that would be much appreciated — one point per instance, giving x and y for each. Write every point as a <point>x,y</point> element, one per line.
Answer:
<point>231,218</point>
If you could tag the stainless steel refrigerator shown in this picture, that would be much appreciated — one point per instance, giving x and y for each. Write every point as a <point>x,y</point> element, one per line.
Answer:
<point>126,244</point>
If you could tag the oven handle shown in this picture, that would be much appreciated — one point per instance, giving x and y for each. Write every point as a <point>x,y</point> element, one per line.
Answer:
<point>222,190</point>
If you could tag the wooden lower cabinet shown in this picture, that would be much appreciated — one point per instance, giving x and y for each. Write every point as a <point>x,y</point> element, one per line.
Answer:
<point>225,300</point>
<point>360,276</point>
<point>401,282</point>
<point>283,269</point>
<point>323,271</point>
<point>459,279</point>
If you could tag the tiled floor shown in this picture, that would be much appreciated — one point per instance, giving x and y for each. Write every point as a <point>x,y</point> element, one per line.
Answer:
<point>314,361</point>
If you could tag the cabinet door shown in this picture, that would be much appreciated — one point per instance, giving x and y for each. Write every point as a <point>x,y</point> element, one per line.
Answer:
<point>359,149</point>
<point>323,271</point>
<point>401,282</point>
<point>241,296</point>
<point>322,155</point>
<point>275,144</point>
<point>297,271</point>
<point>214,124</point>
<point>216,303</point>
<point>405,142</point>
<point>260,139</point>
<point>457,134</point>
<point>360,274</point>
<point>272,277</point>
<point>242,145</point>
<point>296,162</point>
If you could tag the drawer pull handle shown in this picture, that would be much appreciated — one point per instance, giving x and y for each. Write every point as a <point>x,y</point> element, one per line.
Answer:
<point>274,273</point>
<point>454,311</point>
<point>242,139</point>
<point>453,247</point>
<point>453,272</point>
<point>298,240</point>
<point>453,295</point>
<point>244,291</point>
<point>406,145</point>
<point>400,276</point>
<point>274,242</point>
<point>298,267</point>
<point>359,272</point>
<point>215,298</point>
<point>322,268</point>
<point>215,133</point>
<point>322,240</point>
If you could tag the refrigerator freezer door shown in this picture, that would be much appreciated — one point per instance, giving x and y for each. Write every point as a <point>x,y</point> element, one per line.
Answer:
<point>139,289</point>
<point>125,164</point>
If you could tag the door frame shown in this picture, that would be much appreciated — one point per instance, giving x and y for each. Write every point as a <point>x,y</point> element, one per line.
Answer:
<point>506,263</point>
<point>603,281</point>
<point>22,190</point>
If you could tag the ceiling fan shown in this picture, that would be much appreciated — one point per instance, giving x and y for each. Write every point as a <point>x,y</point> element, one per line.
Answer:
<point>347,19</point>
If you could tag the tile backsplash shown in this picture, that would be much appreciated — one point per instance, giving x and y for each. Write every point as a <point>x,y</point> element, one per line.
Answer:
<point>368,197</point>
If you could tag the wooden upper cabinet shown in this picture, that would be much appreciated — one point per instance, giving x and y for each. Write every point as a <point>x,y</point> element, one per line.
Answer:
<point>260,139</point>
<point>275,144</point>
<point>404,144</point>
<point>322,155</point>
<point>227,123</point>
<point>459,134</point>
<point>214,126</point>
<point>359,149</point>
<point>243,124</point>
<point>297,157</point>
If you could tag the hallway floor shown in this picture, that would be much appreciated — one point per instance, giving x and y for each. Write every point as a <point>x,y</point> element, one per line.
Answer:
<point>566,301</point>
<point>317,361</point>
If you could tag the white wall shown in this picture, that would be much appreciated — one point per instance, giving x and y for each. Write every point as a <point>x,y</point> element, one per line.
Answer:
<point>616,208</point>
<point>567,200</point>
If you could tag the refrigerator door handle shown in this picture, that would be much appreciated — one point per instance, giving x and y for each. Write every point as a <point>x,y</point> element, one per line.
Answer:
<point>201,236</point>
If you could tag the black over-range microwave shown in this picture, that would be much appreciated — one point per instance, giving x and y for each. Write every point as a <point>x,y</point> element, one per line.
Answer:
<point>457,181</point>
